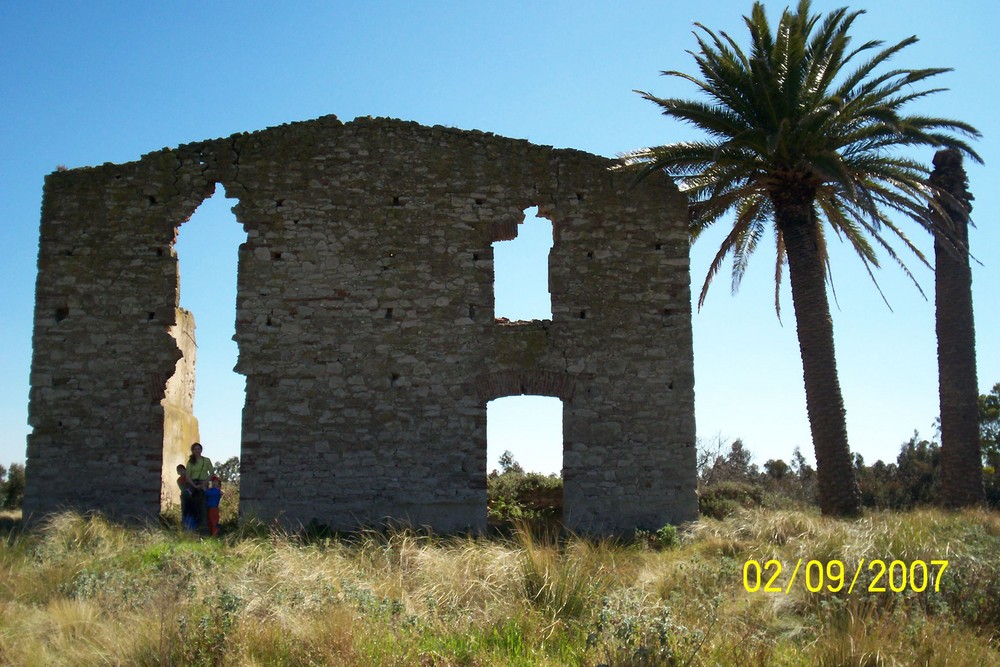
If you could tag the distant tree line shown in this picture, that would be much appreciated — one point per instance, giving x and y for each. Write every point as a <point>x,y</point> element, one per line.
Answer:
<point>728,480</point>
<point>11,486</point>
<point>229,471</point>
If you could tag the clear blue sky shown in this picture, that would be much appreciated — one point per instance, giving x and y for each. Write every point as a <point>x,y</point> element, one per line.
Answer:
<point>88,83</point>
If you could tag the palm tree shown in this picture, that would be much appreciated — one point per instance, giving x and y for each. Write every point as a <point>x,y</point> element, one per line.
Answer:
<point>796,138</point>
<point>961,454</point>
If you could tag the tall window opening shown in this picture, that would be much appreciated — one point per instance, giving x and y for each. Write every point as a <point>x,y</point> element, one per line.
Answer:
<point>207,250</point>
<point>521,271</point>
<point>524,450</point>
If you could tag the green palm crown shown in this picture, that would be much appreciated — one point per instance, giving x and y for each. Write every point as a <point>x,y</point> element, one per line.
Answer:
<point>802,120</point>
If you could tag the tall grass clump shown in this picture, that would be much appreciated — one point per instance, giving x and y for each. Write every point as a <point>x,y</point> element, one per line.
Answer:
<point>563,582</point>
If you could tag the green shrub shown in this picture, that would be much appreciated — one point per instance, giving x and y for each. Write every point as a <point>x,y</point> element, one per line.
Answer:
<point>667,537</point>
<point>664,538</point>
<point>515,498</point>
<point>720,500</point>
<point>971,589</point>
<point>630,631</point>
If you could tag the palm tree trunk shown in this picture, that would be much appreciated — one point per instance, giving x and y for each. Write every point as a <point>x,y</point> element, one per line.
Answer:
<point>961,457</point>
<point>838,487</point>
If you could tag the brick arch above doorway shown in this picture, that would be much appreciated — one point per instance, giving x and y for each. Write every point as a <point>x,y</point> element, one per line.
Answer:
<point>518,383</point>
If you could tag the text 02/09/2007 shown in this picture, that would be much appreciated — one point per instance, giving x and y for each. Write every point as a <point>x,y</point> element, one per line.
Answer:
<point>881,577</point>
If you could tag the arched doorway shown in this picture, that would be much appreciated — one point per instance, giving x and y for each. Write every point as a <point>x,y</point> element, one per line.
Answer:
<point>205,397</point>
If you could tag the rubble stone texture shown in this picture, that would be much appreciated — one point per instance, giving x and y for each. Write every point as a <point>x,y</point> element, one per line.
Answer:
<point>365,326</point>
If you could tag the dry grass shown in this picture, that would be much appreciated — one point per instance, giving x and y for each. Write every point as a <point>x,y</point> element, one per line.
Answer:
<point>82,591</point>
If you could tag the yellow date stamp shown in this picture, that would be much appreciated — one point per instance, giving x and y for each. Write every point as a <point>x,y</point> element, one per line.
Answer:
<point>895,576</point>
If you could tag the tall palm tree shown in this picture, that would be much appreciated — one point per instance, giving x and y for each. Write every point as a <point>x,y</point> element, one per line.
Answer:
<point>961,455</point>
<point>804,130</point>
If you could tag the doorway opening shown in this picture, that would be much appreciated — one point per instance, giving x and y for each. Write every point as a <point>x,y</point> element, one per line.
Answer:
<point>524,453</point>
<point>207,249</point>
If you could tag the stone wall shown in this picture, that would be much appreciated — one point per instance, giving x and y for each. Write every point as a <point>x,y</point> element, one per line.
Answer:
<point>365,326</point>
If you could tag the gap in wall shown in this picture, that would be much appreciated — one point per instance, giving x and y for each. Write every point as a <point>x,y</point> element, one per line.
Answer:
<point>207,250</point>
<point>521,271</point>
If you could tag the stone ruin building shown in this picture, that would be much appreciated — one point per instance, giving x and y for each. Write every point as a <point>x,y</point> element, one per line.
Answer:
<point>365,326</point>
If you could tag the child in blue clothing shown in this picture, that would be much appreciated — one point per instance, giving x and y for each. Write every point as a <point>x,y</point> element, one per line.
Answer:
<point>213,496</point>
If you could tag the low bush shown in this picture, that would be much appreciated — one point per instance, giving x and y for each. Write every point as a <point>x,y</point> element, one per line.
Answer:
<point>524,498</point>
<point>718,501</point>
<point>666,537</point>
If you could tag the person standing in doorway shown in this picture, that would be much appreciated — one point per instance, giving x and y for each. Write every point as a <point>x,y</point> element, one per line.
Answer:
<point>199,470</point>
<point>184,485</point>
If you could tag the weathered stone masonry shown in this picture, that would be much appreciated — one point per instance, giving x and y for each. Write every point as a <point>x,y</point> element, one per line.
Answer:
<point>365,325</point>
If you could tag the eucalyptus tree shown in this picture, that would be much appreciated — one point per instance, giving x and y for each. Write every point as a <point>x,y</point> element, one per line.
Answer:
<point>806,135</point>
